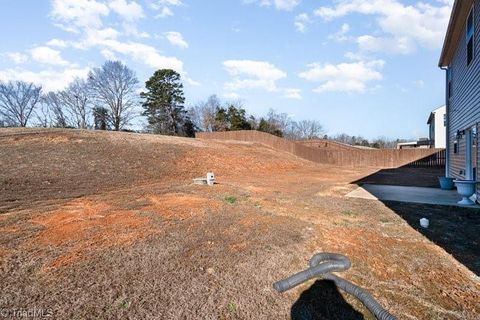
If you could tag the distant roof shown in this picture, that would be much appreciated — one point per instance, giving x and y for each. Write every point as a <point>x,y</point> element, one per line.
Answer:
<point>430,117</point>
<point>461,9</point>
<point>410,143</point>
<point>439,108</point>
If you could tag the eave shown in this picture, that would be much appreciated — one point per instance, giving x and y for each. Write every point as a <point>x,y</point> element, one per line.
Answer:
<point>456,27</point>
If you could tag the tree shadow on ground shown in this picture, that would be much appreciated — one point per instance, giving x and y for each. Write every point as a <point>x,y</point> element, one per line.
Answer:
<point>323,301</point>
<point>455,229</point>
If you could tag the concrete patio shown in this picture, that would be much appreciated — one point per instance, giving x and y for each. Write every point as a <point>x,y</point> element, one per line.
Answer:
<point>407,194</point>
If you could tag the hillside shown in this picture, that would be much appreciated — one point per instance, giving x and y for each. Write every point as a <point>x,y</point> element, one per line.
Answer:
<point>109,225</point>
<point>62,164</point>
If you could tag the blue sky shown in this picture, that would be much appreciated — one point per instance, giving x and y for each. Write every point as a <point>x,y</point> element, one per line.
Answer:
<point>360,67</point>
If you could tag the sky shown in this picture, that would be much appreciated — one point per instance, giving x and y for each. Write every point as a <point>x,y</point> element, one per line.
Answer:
<point>359,67</point>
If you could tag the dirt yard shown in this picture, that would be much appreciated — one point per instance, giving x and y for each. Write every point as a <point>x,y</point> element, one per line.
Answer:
<point>108,225</point>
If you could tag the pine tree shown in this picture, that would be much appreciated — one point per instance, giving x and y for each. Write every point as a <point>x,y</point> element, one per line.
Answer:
<point>164,103</point>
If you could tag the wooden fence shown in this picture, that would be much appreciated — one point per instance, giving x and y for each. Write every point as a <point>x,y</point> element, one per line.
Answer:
<point>356,157</point>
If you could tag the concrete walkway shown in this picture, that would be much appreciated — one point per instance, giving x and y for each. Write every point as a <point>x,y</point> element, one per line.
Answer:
<point>407,194</point>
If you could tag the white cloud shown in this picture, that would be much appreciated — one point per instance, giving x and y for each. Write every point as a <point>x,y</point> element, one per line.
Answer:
<point>74,15</point>
<point>57,43</point>
<point>15,57</point>
<point>341,35</point>
<point>129,11</point>
<point>170,2</point>
<point>419,84</point>
<point>48,55</point>
<point>236,27</point>
<point>250,74</point>
<point>286,5</point>
<point>87,19</point>
<point>292,93</point>
<point>86,16</point>
<point>108,54</point>
<point>344,77</point>
<point>165,12</point>
<point>354,56</point>
<point>403,27</point>
<point>176,39</point>
<point>146,54</point>
<point>301,22</point>
<point>96,37</point>
<point>401,45</point>
<point>231,95</point>
<point>165,7</point>
<point>50,80</point>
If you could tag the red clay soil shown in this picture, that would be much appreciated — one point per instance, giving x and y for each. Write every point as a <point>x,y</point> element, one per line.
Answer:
<point>109,225</point>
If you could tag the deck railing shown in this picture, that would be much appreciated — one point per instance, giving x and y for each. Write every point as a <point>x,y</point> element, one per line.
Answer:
<point>435,160</point>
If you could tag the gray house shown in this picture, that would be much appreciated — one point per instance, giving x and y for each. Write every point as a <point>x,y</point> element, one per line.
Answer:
<point>461,59</point>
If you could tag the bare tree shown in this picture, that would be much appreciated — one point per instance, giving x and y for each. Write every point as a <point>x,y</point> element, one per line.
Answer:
<point>61,116</point>
<point>44,116</point>
<point>307,129</point>
<point>115,86</point>
<point>17,101</point>
<point>385,143</point>
<point>203,113</point>
<point>378,143</point>
<point>76,99</point>
<point>280,121</point>
<point>352,140</point>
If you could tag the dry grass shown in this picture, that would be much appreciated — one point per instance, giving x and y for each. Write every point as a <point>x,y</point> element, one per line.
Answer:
<point>119,231</point>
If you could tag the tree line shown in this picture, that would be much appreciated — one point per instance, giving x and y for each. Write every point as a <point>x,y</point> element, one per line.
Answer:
<point>377,143</point>
<point>110,97</point>
<point>216,115</point>
<point>105,100</point>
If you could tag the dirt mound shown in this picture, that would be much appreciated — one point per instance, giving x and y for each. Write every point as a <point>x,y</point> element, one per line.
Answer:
<point>42,165</point>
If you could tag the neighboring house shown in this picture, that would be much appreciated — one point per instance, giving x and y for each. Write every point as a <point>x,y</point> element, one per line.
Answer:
<point>461,59</point>
<point>437,122</point>
<point>437,132</point>
<point>423,143</point>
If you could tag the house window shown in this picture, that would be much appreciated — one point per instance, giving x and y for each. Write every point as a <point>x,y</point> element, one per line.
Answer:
<point>455,146</point>
<point>444,119</point>
<point>470,37</point>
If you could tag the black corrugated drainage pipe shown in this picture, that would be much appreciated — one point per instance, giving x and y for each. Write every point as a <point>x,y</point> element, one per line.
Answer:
<point>321,265</point>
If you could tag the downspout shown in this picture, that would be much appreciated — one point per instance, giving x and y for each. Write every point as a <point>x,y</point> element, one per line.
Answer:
<point>447,113</point>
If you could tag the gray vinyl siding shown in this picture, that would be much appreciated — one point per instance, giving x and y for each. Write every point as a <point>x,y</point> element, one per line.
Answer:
<point>464,104</point>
